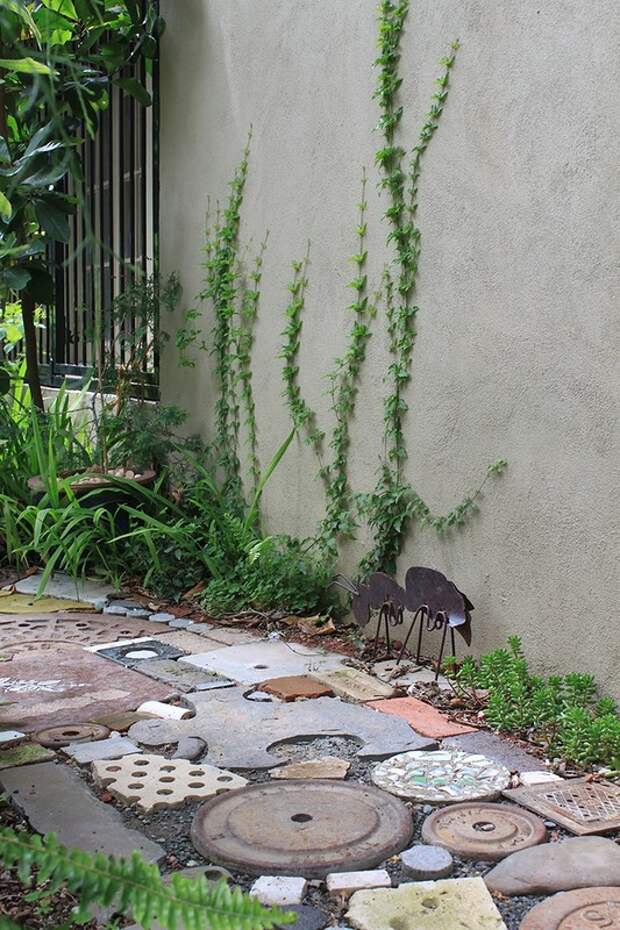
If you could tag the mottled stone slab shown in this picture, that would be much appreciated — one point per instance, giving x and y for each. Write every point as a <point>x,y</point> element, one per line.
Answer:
<point>279,890</point>
<point>26,754</point>
<point>112,748</point>
<point>578,862</point>
<point>424,718</point>
<point>74,686</point>
<point>256,662</point>
<point>56,800</point>
<point>62,586</point>
<point>497,748</point>
<point>122,720</point>
<point>238,732</point>
<point>442,777</point>
<point>343,884</point>
<point>182,678</point>
<point>442,905</point>
<point>351,684</point>
<point>327,767</point>
<point>295,687</point>
<point>154,782</point>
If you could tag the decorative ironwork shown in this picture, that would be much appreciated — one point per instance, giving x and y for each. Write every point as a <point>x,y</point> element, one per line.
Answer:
<point>580,806</point>
<point>436,603</point>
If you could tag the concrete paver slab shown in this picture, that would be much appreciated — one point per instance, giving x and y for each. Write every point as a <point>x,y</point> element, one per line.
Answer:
<point>424,718</point>
<point>181,677</point>
<point>154,782</point>
<point>351,684</point>
<point>226,636</point>
<point>75,687</point>
<point>343,884</point>
<point>255,662</point>
<point>56,800</point>
<point>112,748</point>
<point>62,586</point>
<point>293,687</point>
<point>239,732</point>
<point>190,642</point>
<point>442,905</point>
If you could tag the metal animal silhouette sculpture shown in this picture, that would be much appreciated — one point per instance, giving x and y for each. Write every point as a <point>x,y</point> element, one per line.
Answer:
<point>435,602</point>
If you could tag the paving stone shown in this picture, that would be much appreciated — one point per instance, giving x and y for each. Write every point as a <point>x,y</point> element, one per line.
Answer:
<point>179,623</point>
<point>343,884</point>
<point>238,732</point>
<point>25,754</point>
<point>115,610</point>
<point>292,687</point>
<point>190,747</point>
<point>442,905</point>
<point>72,686</point>
<point>496,748</point>
<point>227,636</point>
<point>139,613</point>
<point>585,909</point>
<point>62,586</point>
<point>426,863</point>
<point>405,674</point>
<point>353,685</point>
<point>442,777</point>
<point>424,718</point>
<point>189,642</point>
<point>56,800</point>
<point>537,778</point>
<point>112,748</point>
<point>327,767</point>
<point>154,782</point>
<point>163,711</point>
<point>161,617</point>
<point>48,632</point>
<point>11,738</point>
<point>181,677</point>
<point>256,662</point>
<point>122,721</point>
<point>578,862</point>
<point>279,890</point>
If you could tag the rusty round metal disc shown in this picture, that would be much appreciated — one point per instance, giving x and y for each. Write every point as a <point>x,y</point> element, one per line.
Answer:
<point>307,827</point>
<point>585,909</point>
<point>57,737</point>
<point>477,830</point>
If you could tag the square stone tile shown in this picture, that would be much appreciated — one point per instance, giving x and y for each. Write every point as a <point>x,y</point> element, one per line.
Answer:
<point>353,685</point>
<point>255,662</point>
<point>293,687</point>
<point>153,782</point>
<point>423,718</point>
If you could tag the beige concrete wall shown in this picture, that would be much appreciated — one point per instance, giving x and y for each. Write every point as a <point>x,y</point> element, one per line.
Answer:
<point>518,291</point>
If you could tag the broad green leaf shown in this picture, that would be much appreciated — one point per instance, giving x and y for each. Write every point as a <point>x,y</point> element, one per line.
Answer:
<point>24,66</point>
<point>16,278</point>
<point>52,220</point>
<point>5,206</point>
<point>65,7</point>
<point>137,90</point>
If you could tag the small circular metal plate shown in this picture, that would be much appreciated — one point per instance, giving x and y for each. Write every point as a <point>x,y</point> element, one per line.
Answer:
<point>56,737</point>
<point>585,909</point>
<point>483,831</point>
<point>309,828</point>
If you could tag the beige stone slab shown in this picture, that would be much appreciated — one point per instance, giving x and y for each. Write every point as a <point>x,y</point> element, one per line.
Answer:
<point>344,884</point>
<point>189,642</point>
<point>326,767</point>
<point>353,685</point>
<point>152,782</point>
<point>443,905</point>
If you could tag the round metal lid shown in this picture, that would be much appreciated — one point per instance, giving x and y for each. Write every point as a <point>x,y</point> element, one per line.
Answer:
<point>483,831</point>
<point>585,909</point>
<point>307,827</point>
<point>56,737</point>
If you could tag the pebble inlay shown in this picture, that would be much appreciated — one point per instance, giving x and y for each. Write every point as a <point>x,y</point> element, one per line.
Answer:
<point>441,777</point>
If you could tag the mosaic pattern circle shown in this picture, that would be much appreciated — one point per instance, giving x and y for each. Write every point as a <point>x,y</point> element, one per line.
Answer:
<point>478,830</point>
<point>442,777</point>
<point>585,909</point>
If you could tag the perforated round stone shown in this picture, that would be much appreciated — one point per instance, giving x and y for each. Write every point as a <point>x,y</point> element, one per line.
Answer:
<point>304,828</point>
<point>585,909</point>
<point>442,777</point>
<point>57,737</point>
<point>483,831</point>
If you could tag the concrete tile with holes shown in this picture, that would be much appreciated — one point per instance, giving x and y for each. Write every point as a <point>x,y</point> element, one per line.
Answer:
<point>152,782</point>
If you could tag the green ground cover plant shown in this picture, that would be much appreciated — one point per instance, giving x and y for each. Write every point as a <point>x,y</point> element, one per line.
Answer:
<point>561,713</point>
<point>133,887</point>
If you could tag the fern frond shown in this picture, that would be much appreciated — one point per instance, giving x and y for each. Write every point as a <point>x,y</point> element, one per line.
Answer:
<point>135,887</point>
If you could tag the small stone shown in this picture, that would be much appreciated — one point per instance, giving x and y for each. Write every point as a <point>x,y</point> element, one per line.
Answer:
<point>279,890</point>
<point>537,778</point>
<point>427,809</point>
<point>165,711</point>
<point>11,738</point>
<point>578,862</point>
<point>179,623</point>
<point>293,687</point>
<point>550,824</point>
<point>344,884</point>
<point>426,863</point>
<point>308,918</point>
<point>112,748</point>
<point>161,617</point>
<point>327,767</point>
<point>139,613</point>
<point>115,610</point>
<point>189,747</point>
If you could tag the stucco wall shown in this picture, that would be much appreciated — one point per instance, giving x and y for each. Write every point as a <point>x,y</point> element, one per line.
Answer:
<point>517,348</point>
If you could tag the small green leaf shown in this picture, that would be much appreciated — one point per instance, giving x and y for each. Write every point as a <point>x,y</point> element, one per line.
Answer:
<point>135,89</point>
<point>6,210</point>
<point>24,66</point>
<point>16,278</point>
<point>52,220</point>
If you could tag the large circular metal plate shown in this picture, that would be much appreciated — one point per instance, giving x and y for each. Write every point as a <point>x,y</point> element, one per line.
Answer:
<point>56,737</point>
<point>483,831</point>
<point>585,909</point>
<point>307,827</point>
<point>442,777</point>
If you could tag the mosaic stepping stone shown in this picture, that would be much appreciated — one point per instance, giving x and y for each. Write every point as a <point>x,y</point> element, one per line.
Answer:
<point>153,782</point>
<point>442,777</point>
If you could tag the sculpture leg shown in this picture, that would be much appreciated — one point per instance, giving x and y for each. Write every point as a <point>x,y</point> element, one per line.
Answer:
<point>417,616</point>
<point>441,649</point>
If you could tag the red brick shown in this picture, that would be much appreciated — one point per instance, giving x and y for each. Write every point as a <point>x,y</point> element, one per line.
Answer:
<point>421,717</point>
